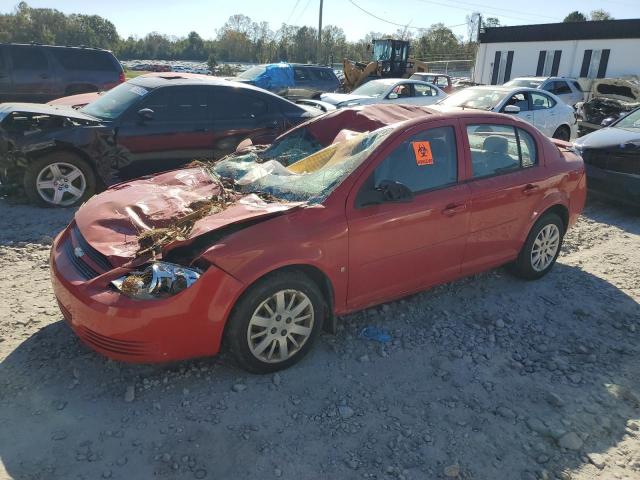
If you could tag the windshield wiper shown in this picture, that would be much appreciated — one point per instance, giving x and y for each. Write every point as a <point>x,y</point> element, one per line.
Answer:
<point>465,105</point>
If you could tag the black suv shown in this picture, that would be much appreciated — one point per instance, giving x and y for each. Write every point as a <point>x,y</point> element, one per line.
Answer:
<point>297,82</point>
<point>39,73</point>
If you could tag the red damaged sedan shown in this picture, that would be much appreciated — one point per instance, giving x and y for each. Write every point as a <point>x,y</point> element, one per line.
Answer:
<point>261,254</point>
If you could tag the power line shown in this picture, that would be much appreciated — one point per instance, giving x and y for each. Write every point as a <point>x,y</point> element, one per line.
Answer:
<point>292,10</point>
<point>519,12</point>
<point>486,7</point>
<point>302,12</point>
<point>403,25</point>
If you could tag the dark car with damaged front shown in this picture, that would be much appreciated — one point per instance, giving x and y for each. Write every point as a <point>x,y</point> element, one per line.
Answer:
<point>612,159</point>
<point>152,123</point>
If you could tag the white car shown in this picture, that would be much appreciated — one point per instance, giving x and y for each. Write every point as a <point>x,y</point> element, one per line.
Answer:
<point>542,109</point>
<point>387,90</point>
<point>566,89</point>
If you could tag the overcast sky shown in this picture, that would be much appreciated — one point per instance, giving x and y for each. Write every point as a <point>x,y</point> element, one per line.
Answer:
<point>139,17</point>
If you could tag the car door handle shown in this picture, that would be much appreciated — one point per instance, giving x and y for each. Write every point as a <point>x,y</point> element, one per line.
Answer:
<point>530,189</point>
<point>452,209</point>
<point>44,75</point>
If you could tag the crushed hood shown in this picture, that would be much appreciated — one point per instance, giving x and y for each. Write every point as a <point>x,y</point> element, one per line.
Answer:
<point>337,98</point>
<point>626,89</point>
<point>609,137</point>
<point>112,221</point>
<point>43,109</point>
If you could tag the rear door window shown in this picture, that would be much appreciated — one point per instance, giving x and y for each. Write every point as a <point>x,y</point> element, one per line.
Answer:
<point>230,104</point>
<point>499,149</point>
<point>28,58</point>
<point>558,87</point>
<point>300,74</point>
<point>83,60</point>
<point>541,101</point>
<point>191,104</point>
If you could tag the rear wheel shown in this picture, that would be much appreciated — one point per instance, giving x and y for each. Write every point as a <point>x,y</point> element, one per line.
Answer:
<point>541,249</point>
<point>562,133</point>
<point>276,322</point>
<point>59,179</point>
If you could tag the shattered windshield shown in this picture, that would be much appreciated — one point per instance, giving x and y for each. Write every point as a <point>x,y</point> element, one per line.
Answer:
<point>630,121</point>
<point>523,83</point>
<point>478,98</point>
<point>310,179</point>
<point>253,72</point>
<point>372,89</point>
<point>114,102</point>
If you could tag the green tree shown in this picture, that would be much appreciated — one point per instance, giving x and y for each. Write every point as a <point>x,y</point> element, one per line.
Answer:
<point>597,15</point>
<point>575,16</point>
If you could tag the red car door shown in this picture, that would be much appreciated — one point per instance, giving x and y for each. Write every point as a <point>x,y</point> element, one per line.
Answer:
<point>506,178</point>
<point>399,247</point>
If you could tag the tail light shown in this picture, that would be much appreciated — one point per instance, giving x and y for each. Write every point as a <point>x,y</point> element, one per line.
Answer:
<point>121,78</point>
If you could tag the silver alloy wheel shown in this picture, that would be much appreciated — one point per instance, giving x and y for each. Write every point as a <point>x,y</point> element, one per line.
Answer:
<point>280,326</point>
<point>545,247</point>
<point>61,184</point>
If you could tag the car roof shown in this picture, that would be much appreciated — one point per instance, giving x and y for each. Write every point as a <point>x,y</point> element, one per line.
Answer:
<point>478,115</point>
<point>542,79</point>
<point>501,88</point>
<point>164,79</point>
<point>61,47</point>
<point>433,74</point>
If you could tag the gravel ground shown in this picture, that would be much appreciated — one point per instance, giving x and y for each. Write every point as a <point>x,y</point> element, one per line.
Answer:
<point>485,378</point>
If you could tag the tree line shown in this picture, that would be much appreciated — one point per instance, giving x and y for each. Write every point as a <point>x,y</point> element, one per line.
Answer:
<point>240,39</point>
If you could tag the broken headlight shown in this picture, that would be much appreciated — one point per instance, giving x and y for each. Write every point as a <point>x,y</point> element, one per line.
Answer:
<point>157,280</point>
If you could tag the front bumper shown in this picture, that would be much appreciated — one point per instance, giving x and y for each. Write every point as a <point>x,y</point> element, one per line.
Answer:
<point>621,187</point>
<point>189,324</point>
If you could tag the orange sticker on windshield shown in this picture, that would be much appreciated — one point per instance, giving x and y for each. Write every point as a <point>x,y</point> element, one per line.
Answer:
<point>422,151</point>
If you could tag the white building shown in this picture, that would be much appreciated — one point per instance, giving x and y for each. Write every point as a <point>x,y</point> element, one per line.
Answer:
<point>595,49</point>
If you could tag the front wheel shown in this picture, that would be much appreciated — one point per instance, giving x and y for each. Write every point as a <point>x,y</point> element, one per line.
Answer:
<point>562,133</point>
<point>276,322</point>
<point>59,179</point>
<point>541,249</point>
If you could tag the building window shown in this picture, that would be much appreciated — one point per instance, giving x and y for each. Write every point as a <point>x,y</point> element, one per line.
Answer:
<point>548,63</point>
<point>594,63</point>
<point>502,67</point>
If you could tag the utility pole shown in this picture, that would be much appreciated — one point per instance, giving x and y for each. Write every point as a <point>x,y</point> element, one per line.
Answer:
<point>319,49</point>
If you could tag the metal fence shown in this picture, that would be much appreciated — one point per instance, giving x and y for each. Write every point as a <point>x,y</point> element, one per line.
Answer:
<point>455,68</point>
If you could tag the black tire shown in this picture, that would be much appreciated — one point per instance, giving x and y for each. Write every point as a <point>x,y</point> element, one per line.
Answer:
<point>236,335</point>
<point>523,266</point>
<point>35,167</point>
<point>562,133</point>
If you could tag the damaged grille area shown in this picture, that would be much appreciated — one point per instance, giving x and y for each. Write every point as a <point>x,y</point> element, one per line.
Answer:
<point>81,267</point>
<point>96,257</point>
<point>78,251</point>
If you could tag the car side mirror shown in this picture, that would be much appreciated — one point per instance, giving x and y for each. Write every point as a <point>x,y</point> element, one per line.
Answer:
<point>145,114</point>
<point>511,109</point>
<point>607,121</point>
<point>393,191</point>
<point>392,96</point>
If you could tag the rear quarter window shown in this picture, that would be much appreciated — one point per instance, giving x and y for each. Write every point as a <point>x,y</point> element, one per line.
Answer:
<point>84,60</point>
<point>499,149</point>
